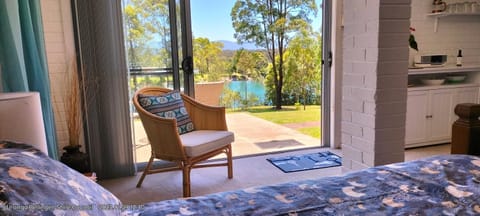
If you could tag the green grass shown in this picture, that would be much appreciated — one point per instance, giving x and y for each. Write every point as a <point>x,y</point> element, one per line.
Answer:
<point>311,131</point>
<point>289,115</point>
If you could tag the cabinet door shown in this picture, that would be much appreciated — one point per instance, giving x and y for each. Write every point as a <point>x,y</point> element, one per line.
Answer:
<point>441,104</point>
<point>416,121</point>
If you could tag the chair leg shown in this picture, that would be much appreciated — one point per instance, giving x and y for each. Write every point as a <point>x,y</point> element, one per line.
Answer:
<point>186,180</point>
<point>145,172</point>
<point>229,161</point>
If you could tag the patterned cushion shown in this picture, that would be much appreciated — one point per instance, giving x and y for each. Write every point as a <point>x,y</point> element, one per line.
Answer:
<point>169,105</point>
<point>33,184</point>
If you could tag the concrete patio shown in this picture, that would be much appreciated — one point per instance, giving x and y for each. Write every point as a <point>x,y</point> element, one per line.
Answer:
<point>252,136</point>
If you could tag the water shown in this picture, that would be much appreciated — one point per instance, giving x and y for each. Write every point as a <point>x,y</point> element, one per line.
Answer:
<point>250,87</point>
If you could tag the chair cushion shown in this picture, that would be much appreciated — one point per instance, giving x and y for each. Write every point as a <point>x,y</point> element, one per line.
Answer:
<point>202,141</point>
<point>168,105</point>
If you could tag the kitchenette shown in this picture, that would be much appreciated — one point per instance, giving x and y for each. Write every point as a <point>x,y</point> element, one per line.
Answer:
<point>444,69</point>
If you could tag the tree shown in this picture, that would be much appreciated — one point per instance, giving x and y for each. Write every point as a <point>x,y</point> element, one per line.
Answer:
<point>151,19</point>
<point>230,99</point>
<point>268,24</point>
<point>303,65</point>
<point>250,63</point>
<point>207,58</point>
<point>135,33</point>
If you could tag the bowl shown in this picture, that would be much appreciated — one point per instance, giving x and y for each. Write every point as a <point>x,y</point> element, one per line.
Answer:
<point>432,82</point>
<point>456,78</point>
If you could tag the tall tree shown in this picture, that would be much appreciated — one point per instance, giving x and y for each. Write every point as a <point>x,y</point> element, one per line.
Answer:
<point>250,63</point>
<point>207,59</point>
<point>148,33</point>
<point>268,23</point>
<point>303,65</point>
<point>136,36</point>
<point>154,18</point>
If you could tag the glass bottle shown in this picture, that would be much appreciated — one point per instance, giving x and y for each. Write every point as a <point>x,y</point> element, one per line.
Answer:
<point>459,58</point>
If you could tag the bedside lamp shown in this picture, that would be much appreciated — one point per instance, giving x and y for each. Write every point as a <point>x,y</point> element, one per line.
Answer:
<point>21,119</point>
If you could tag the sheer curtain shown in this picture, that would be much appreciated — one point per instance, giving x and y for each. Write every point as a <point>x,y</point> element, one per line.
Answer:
<point>100,45</point>
<point>22,58</point>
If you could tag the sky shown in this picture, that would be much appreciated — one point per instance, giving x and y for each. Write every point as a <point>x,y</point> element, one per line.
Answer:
<point>211,19</point>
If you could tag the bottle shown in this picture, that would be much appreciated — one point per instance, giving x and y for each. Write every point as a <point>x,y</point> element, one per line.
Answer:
<point>459,58</point>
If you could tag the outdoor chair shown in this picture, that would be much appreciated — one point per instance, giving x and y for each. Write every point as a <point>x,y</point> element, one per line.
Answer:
<point>209,138</point>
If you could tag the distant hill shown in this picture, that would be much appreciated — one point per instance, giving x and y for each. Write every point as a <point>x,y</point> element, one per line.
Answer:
<point>231,45</point>
<point>227,45</point>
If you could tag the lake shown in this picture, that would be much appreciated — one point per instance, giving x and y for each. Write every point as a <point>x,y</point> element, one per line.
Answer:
<point>249,87</point>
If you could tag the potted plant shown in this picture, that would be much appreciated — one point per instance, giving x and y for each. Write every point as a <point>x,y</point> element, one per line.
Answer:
<point>413,55</point>
<point>72,156</point>
<point>411,40</point>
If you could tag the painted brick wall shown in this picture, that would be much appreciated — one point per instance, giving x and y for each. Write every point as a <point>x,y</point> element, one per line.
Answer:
<point>454,32</point>
<point>374,82</point>
<point>58,32</point>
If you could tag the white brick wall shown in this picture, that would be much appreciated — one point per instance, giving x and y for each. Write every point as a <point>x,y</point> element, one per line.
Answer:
<point>374,82</point>
<point>58,32</point>
<point>454,32</point>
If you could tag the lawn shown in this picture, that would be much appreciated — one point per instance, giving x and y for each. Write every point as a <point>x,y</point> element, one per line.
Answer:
<point>311,131</point>
<point>290,115</point>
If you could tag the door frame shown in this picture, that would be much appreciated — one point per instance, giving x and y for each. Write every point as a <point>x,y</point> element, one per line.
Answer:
<point>187,48</point>
<point>185,43</point>
<point>327,61</point>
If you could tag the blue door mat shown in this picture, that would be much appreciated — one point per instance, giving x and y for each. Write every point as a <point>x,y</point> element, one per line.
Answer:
<point>306,162</point>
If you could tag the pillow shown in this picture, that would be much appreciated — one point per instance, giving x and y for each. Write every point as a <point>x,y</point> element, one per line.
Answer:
<point>169,105</point>
<point>34,184</point>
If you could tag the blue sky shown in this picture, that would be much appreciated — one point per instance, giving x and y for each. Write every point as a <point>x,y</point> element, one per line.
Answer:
<point>211,19</point>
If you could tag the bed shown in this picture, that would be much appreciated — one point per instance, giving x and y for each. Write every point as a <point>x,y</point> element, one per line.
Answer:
<point>33,184</point>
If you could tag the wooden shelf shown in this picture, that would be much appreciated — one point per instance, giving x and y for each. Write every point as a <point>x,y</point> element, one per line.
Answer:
<point>444,14</point>
<point>444,86</point>
<point>445,69</point>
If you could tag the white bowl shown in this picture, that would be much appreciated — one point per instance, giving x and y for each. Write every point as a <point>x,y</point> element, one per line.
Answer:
<point>456,78</point>
<point>431,82</point>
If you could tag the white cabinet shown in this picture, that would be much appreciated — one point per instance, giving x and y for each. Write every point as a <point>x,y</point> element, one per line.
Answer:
<point>441,106</point>
<point>467,95</point>
<point>430,109</point>
<point>430,113</point>
<point>416,121</point>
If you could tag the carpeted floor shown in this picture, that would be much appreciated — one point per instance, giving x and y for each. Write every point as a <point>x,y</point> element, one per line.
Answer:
<point>248,172</point>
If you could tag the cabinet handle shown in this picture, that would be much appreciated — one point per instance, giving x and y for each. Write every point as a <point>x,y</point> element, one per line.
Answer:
<point>429,116</point>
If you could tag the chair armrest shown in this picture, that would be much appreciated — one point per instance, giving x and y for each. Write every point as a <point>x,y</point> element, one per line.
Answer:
<point>205,117</point>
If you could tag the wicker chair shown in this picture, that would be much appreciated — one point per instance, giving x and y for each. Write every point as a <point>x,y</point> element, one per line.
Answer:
<point>209,138</point>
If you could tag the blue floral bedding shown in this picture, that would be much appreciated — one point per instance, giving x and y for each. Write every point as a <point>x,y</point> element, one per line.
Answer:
<point>441,185</point>
<point>33,184</point>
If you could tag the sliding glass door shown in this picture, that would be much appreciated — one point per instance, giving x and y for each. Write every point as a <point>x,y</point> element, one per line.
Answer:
<point>159,52</point>
<point>158,42</point>
<point>244,77</point>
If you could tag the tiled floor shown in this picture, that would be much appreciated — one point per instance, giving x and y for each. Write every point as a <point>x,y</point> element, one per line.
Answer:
<point>252,136</point>
<point>248,171</point>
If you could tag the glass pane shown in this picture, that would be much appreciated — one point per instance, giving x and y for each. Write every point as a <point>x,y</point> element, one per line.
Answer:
<point>242,76</point>
<point>148,45</point>
<point>147,28</point>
